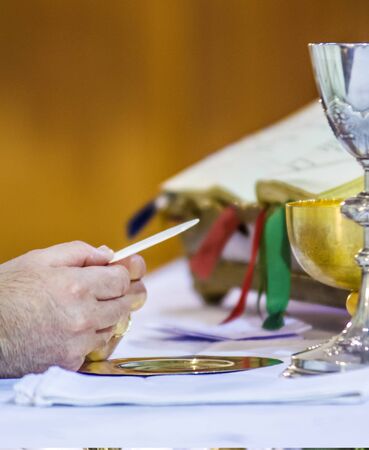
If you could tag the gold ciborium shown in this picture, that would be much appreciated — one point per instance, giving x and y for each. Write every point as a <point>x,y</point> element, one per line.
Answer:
<point>324,243</point>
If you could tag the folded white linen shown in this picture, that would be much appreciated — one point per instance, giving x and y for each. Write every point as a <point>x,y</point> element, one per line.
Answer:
<point>265,385</point>
<point>243,328</point>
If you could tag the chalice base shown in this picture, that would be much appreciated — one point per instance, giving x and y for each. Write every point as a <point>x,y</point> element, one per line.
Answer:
<point>339,354</point>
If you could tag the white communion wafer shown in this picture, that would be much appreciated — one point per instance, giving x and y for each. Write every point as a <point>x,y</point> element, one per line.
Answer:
<point>153,240</point>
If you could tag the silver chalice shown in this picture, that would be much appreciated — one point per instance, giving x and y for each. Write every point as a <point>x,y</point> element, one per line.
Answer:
<point>342,76</point>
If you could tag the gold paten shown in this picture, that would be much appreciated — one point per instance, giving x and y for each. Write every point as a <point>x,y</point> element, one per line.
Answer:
<point>183,365</point>
<point>325,243</point>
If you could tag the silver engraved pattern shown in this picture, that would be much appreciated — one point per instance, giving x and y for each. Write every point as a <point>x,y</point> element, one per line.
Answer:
<point>350,126</point>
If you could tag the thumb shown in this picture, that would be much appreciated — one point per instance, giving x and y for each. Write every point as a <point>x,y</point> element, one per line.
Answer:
<point>74,254</point>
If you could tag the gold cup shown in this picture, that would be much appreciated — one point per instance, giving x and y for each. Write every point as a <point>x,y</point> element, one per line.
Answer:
<point>324,243</point>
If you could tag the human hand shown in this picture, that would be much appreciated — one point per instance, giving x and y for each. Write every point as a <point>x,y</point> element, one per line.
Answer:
<point>60,303</point>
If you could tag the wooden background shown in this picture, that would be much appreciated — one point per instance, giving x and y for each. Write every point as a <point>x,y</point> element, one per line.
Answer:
<point>100,101</point>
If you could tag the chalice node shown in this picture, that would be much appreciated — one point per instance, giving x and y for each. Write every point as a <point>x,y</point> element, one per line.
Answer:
<point>342,76</point>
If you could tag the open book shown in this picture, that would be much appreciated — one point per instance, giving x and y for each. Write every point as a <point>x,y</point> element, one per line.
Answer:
<point>297,158</point>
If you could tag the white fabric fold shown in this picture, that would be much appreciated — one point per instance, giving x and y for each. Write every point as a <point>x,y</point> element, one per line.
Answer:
<point>61,387</point>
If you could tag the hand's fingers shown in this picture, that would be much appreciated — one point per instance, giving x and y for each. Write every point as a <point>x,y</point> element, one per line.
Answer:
<point>135,265</point>
<point>136,295</point>
<point>107,313</point>
<point>73,254</point>
<point>103,283</point>
<point>122,326</point>
<point>101,338</point>
<point>87,343</point>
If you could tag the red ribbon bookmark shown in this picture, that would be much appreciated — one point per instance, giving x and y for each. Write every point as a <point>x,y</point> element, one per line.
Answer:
<point>246,285</point>
<point>205,259</point>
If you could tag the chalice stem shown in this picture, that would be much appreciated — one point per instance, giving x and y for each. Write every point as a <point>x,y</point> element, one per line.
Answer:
<point>361,317</point>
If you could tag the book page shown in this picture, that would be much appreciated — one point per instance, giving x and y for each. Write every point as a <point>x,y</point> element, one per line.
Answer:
<point>300,150</point>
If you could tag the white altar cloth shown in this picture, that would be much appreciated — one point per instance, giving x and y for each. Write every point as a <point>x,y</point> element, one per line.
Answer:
<point>170,293</point>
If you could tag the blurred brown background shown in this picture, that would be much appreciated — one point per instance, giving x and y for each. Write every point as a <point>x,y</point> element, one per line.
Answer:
<point>100,101</point>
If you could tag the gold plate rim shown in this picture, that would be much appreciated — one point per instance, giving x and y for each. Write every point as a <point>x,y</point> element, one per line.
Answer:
<point>234,364</point>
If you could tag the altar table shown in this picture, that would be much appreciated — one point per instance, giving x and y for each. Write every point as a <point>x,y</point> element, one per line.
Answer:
<point>170,292</point>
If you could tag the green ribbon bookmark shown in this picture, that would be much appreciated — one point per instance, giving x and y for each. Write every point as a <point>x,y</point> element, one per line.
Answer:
<point>262,274</point>
<point>277,256</point>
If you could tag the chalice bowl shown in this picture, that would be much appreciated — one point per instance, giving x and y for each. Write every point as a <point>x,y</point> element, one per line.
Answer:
<point>342,76</point>
<point>324,243</point>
